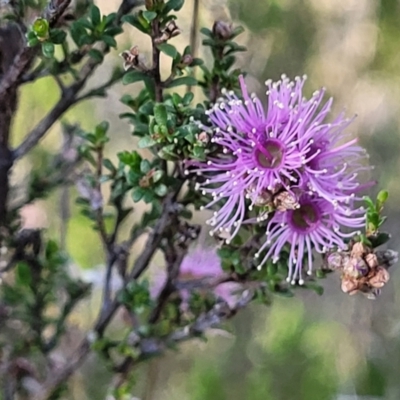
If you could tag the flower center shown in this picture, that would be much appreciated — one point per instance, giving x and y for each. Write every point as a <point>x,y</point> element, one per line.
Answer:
<point>269,154</point>
<point>305,217</point>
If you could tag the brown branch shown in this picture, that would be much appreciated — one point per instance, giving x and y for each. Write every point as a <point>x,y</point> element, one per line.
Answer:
<point>220,313</point>
<point>67,99</point>
<point>154,238</point>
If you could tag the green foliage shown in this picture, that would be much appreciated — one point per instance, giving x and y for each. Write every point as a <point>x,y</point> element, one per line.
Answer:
<point>224,50</point>
<point>40,279</point>
<point>136,297</point>
<point>40,33</point>
<point>94,27</point>
<point>375,219</point>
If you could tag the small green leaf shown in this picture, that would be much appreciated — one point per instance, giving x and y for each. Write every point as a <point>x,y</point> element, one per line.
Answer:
<point>187,99</point>
<point>146,141</point>
<point>134,21</point>
<point>168,49</point>
<point>33,42</point>
<point>379,239</point>
<point>207,32</point>
<point>109,40</point>
<point>95,15</point>
<point>57,36</point>
<point>149,15</point>
<point>161,190</point>
<point>109,165</point>
<point>78,33</point>
<point>382,197</point>
<point>48,49</point>
<point>23,274</point>
<point>158,175</point>
<point>145,166</point>
<point>175,5</point>
<point>138,194</point>
<point>97,55</point>
<point>160,114</point>
<point>185,80</point>
<point>133,76</point>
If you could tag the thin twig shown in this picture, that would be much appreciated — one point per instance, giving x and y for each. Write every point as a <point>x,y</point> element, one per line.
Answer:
<point>155,25</point>
<point>99,210</point>
<point>154,346</point>
<point>194,30</point>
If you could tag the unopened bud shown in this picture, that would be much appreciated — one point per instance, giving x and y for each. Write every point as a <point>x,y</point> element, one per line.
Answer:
<point>222,30</point>
<point>149,4</point>
<point>187,59</point>
<point>202,137</point>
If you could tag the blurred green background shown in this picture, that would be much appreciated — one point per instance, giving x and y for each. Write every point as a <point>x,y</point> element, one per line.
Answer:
<point>330,347</point>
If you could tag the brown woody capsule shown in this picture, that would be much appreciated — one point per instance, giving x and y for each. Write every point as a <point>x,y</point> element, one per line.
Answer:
<point>380,278</point>
<point>372,260</point>
<point>349,286</point>
<point>359,250</point>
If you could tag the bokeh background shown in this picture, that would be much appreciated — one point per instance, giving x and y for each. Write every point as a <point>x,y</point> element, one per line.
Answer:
<point>310,347</point>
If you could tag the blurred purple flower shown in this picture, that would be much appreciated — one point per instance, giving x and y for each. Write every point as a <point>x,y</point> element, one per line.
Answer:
<point>199,263</point>
<point>315,224</point>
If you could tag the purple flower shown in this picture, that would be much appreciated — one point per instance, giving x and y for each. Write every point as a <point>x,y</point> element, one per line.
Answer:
<point>261,151</point>
<point>315,224</point>
<point>287,145</point>
<point>286,150</point>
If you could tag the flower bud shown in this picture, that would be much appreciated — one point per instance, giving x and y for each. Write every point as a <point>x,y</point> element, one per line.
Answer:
<point>41,28</point>
<point>186,60</point>
<point>202,137</point>
<point>222,30</point>
<point>149,4</point>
